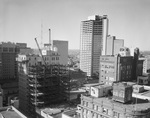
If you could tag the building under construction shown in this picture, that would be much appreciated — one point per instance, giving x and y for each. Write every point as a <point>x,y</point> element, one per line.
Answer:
<point>41,85</point>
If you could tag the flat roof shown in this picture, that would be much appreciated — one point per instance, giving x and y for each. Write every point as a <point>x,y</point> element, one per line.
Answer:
<point>101,86</point>
<point>93,84</point>
<point>10,114</point>
<point>147,94</point>
<point>51,111</point>
<point>71,113</point>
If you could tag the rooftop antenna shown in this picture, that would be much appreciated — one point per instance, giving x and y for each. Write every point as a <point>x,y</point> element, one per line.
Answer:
<point>49,36</point>
<point>50,44</point>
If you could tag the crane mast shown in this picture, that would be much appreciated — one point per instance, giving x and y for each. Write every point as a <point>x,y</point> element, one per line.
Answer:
<point>40,51</point>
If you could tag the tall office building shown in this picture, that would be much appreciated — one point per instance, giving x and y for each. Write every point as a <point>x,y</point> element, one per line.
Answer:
<point>113,45</point>
<point>8,63</point>
<point>8,70</point>
<point>92,43</point>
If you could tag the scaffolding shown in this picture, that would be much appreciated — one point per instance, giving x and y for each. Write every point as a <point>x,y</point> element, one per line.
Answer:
<point>47,85</point>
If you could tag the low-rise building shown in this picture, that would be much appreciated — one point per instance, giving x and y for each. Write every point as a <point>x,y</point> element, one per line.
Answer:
<point>71,114</point>
<point>138,88</point>
<point>103,107</point>
<point>114,106</point>
<point>100,90</point>
<point>10,112</point>
<point>50,113</point>
<point>122,92</point>
<point>143,80</point>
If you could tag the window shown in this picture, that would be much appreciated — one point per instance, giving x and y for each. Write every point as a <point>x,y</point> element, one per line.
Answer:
<point>107,78</point>
<point>99,108</point>
<point>106,71</point>
<point>93,91</point>
<point>115,93</point>
<point>87,104</point>
<point>84,103</point>
<point>121,94</point>
<point>95,107</point>
<point>84,111</point>
<point>95,115</point>
<point>116,115</point>
<point>89,114</point>
<point>57,58</point>
<point>53,58</point>
<point>10,49</point>
<point>109,112</point>
<point>5,49</point>
<point>104,110</point>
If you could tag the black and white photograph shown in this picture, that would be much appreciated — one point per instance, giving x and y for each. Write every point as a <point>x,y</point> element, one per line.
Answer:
<point>74,58</point>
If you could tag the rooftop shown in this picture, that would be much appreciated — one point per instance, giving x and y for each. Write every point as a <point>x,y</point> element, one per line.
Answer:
<point>50,111</point>
<point>10,112</point>
<point>71,113</point>
<point>102,86</point>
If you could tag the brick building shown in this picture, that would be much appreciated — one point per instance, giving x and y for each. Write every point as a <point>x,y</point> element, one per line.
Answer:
<point>115,68</point>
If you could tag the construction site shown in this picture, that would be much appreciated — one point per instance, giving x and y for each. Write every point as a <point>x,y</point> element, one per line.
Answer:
<point>43,81</point>
<point>42,86</point>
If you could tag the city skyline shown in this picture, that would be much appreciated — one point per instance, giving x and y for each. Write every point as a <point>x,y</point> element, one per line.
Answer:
<point>21,20</point>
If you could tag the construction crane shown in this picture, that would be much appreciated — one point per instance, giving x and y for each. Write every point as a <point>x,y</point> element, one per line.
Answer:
<point>39,46</point>
<point>40,51</point>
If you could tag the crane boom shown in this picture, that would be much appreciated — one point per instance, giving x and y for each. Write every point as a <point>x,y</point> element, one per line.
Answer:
<point>40,51</point>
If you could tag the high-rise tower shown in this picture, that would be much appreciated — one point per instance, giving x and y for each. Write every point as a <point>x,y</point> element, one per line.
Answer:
<point>93,36</point>
<point>8,63</point>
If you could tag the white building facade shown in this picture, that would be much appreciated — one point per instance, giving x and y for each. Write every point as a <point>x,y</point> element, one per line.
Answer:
<point>93,36</point>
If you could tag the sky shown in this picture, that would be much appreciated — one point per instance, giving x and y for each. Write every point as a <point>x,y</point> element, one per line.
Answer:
<point>23,20</point>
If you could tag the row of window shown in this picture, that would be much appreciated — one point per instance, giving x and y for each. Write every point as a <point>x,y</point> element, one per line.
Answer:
<point>108,66</point>
<point>53,58</point>
<point>5,49</point>
<point>106,111</point>
<point>119,94</point>
<point>91,114</point>
<point>41,63</point>
<point>46,58</point>
<point>126,67</point>
<point>106,71</point>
